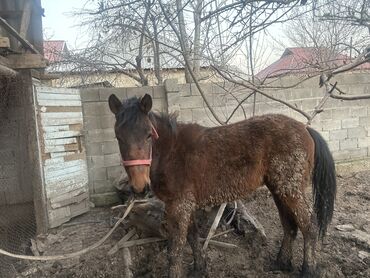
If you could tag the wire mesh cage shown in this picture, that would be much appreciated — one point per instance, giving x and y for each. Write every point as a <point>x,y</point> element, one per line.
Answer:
<point>17,216</point>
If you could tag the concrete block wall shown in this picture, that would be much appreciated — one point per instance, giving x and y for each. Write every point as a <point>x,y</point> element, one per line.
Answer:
<point>103,157</point>
<point>344,124</point>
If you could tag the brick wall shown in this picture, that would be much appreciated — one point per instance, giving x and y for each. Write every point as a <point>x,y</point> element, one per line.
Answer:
<point>103,158</point>
<point>344,124</point>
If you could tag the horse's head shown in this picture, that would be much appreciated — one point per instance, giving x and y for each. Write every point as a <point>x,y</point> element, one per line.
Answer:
<point>135,133</point>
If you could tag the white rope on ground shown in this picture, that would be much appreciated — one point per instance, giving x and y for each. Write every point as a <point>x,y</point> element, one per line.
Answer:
<point>74,254</point>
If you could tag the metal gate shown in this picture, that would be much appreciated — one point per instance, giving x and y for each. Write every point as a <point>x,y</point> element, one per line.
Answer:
<point>63,155</point>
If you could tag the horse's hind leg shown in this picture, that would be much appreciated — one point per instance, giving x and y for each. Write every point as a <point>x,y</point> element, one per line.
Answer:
<point>284,258</point>
<point>199,258</point>
<point>299,209</point>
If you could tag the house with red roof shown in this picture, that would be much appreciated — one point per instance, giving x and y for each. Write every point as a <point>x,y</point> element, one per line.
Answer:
<point>306,60</point>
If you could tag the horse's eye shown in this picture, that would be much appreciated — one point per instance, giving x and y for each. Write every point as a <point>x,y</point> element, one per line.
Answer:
<point>149,136</point>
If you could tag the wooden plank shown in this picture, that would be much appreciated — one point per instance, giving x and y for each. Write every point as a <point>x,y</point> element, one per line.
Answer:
<point>56,128</point>
<point>59,216</point>
<point>61,134</point>
<point>62,165</point>
<point>47,102</point>
<point>55,189</point>
<point>60,154</point>
<point>26,16</point>
<point>27,61</point>
<point>60,96</point>
<point>53,90</point>
<point>79,208</point>
<point>65,148</point>
<point>67,199</point>
<point>61,109</point>
<point>61,115</point>
<point>58,142</point>
<point>4,42</point>
<point>75,156</point>
<point>14,33</point>
<point>71,147</point>
<point>50,175</point>
<point>68,180</point>
<point>53,122</point>
<point>75,127</point>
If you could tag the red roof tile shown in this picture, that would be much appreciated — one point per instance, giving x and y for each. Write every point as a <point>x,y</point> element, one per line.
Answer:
<point>305,60</point>
<point>53,50</point>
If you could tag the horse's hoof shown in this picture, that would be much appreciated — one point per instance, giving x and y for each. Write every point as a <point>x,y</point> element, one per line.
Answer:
<point>198,274</point>
<point>310,272</point>
<point>280,265</point>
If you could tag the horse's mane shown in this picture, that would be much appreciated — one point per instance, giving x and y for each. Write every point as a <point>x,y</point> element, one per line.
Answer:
<point>169,121</point>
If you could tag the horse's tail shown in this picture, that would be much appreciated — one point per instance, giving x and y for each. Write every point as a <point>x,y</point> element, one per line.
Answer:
<point>323,182</point>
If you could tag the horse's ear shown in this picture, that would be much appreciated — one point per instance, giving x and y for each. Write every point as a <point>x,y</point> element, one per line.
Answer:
<point>146,103</point>
<point>114,103</point>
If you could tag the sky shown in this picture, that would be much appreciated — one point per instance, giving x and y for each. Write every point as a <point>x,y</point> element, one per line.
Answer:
<point>58,24</point>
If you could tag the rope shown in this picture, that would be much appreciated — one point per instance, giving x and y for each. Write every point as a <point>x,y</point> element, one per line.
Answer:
<point>74,254</point>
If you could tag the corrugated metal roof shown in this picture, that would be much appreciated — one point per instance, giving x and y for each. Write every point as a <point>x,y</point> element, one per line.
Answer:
<point>305,60</point>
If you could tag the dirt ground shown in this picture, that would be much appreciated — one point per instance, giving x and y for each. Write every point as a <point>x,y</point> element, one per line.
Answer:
<point>345,251</point>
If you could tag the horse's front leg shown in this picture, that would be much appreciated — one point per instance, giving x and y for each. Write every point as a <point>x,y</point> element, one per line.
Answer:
<point>178,220</point>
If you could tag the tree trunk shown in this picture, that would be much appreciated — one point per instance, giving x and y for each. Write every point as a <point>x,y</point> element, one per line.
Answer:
<point>184,39</point>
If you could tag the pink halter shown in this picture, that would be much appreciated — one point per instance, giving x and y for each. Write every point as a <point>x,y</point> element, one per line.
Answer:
<point>137,162</point>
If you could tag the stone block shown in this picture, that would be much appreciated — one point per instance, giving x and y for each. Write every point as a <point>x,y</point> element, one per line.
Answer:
<point>350,122</point>
<point>344,155</point>
<point>94,136</point>
<point>159,105</point>
<point>185,90</point>
<point>110,147</point>
<point>173,99</point>
<point>108,134</point>
<point>186,116</point>
<point>338,134</point>
<point>91,122</point>
<point>358,111</point>
<point>357,132</point>
<point>91,109</point>
<point>95,161</point>
<point>324,134</point>
<point>112,160</point>
<point>104,93</point>
<point>365,121</point>
<point>333,145</point>
<point>302,93</point>
<point>97,174</point>
<point>341,113</point>
<point>191,102</point>
<point>331,124</point>
<point>171,85</point>
<point>94,149</point>
<point>103,186</point>
<point>174,108</point>
<point>138,91</point>
<point>348,144</point>
<point>159,92</point>
<point>107,121</point>
<point>364,142</point>
<point>105,199</point>
<point>309,104</point>
<point>115,172</point>
<point>89,95</point>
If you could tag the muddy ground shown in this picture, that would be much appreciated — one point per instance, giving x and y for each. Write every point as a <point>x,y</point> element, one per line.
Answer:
<point>345,252</point>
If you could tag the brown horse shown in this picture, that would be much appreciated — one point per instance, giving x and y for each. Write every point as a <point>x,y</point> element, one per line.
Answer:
<point>189,166</point>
